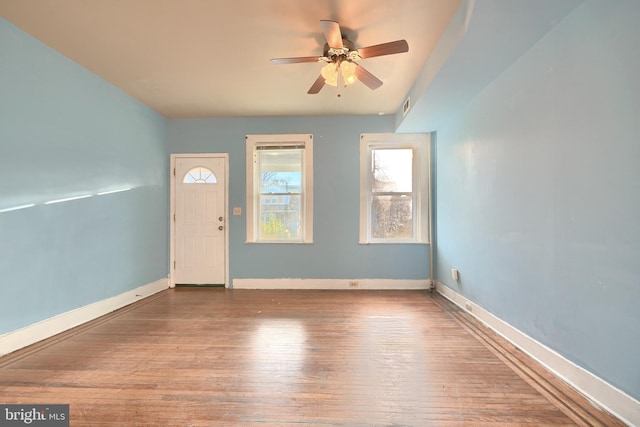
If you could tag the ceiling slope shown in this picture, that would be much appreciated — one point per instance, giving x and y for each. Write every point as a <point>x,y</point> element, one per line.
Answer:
<point>482,40</point>
<point>211,58</point>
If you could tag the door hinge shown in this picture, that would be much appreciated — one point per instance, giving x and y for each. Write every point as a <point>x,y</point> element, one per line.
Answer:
<point>174,217</point>
<point>174,171</point>
<point>174,265</point>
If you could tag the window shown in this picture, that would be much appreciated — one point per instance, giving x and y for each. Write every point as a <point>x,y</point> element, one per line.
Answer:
<point>394,188</point>
<point>279,188</point>
<point>199,175</point>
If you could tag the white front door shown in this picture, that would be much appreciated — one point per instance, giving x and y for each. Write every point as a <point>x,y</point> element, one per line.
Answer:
<point>199,220</point>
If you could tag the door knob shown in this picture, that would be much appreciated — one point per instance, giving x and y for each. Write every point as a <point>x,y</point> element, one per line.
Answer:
<point>220,218</point>
<point>220,228</point>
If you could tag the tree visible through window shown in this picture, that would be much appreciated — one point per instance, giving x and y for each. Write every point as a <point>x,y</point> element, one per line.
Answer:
<point>279,179</point>
<point>394,190</point>
<point>392,193</point>
<point>280,189</point>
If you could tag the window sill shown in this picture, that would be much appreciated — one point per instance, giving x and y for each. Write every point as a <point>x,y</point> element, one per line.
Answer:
<point>394,242</point>
<point>277,242</point>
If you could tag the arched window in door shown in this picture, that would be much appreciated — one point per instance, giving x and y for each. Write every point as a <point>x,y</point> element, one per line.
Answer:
<point>199,175</point>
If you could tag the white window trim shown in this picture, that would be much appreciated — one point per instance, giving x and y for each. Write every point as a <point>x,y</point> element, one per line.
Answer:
<point>420,144</point>
<point>252,141</point>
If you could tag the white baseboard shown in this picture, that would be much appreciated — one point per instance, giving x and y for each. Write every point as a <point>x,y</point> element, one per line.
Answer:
<point>599,391</point>
<point>47,328</point>
<point>347,284</point>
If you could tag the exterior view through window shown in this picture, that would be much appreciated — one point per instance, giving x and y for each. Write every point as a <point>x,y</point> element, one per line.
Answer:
<point>394,188</point>
<point>279,174</point>
<point>392,193</point>
<point>280,192</point>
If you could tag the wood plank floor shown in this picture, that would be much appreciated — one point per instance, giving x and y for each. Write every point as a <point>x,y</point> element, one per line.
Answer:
<point>210,357</point>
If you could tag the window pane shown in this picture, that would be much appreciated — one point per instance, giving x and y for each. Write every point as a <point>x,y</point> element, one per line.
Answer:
<point>280,214</point>
<point>391,217</point>
<point>279,188</point>
<point>199,175</point>
<point>280,217</point>
<point>392,170</point>
<point>280,171</point>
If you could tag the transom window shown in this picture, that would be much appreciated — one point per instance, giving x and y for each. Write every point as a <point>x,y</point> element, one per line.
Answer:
<point>199,175</point>
<point>279,183</point>
<point>394,188</point>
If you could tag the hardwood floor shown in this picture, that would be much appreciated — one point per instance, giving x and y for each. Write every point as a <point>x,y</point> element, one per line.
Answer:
<point>210,357</point>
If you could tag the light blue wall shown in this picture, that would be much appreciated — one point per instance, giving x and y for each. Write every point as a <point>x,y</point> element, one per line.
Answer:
<point>538,188</point>
<point>65,132</point>
<point>335,252</point>
<point>469,57</point>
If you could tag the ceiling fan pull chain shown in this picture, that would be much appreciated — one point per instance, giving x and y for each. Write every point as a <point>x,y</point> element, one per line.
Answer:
<point>338,85</point>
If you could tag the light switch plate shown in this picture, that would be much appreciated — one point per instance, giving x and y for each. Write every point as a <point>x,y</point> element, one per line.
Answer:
<point>237,211</point>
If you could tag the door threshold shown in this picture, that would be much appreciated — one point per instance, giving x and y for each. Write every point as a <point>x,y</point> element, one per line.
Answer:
<point>193,285</point>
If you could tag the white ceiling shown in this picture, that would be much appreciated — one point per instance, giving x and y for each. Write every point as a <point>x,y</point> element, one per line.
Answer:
<point>210,58</point>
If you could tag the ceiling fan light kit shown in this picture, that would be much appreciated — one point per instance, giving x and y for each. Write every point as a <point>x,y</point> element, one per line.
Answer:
<point>341,56</point>
<point>334,70</point>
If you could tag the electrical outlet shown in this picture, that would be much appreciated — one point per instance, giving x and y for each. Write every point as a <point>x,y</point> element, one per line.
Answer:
<point>237,211</point>
<point>353,284</point>
<point>454,274</point>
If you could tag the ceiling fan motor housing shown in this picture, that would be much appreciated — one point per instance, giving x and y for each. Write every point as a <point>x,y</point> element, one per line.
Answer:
<point>347,52</point>
<point>342,58</point>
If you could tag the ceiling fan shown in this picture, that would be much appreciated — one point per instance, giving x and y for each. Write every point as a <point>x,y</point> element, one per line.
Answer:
<point>341,56</point>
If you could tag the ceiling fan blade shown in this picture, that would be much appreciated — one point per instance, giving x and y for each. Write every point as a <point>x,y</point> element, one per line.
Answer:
<point>367,78</point>
<point>296,60</point>
<point>332,33</point>
<point>398,46</point>
<point>317,85</point>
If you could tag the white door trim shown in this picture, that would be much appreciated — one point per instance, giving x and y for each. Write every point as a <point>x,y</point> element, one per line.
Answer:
<point>172,201</point>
